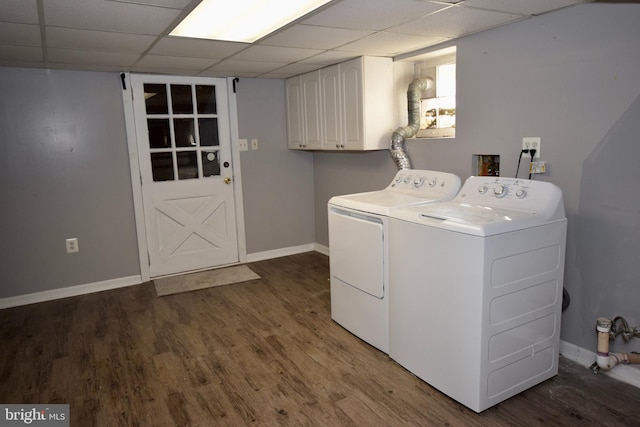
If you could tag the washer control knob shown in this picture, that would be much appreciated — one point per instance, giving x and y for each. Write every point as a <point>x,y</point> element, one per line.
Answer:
<point>419,181</point>
<point>482,189</point>
<point>398,178</point>
<point>500,190</point>
<point>407,179</point>
<point>521,194</point>
<point>433,182</point>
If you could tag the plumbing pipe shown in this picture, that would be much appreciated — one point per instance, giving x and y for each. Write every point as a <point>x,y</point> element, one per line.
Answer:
<point>606,360</point>
<point>397,150</point>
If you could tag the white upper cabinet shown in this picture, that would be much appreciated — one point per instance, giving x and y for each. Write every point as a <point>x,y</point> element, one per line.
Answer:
<point>348,106</point>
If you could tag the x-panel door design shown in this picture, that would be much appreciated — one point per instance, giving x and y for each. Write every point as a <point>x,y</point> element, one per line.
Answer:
<point>184,147</point>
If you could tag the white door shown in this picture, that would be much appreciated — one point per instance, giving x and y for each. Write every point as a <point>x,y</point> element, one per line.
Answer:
<point>182,130</point>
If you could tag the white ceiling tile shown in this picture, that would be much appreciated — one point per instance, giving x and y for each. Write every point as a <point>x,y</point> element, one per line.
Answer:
<point>173,4</point>
<point>523,7</point>
<point>455,22</point>
<point>295,69</point>
<point>329,57</point>
<point>390,44</point>
<point>196,48</point>
<point>371,14</point>
<point>94,58</point>
<point>230,65</point>
<point>275,54</point>
<point>25,11</point>
<point>20,34</point>
<point>108,16</point>
<point>314,37</point>
<point>175,62</point>
<point>21,53</point>
<point>100,40</point>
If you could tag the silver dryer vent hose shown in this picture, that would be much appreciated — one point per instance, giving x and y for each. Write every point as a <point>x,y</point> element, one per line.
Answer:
<point>397,150</point>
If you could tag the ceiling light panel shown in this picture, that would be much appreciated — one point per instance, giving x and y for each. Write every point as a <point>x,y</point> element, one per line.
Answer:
<point>242,20</point>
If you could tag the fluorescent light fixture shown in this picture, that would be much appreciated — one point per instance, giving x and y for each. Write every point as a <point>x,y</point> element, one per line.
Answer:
<point>242,20</point>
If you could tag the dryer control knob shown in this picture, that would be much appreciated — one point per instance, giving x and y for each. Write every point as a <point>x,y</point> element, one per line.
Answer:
<point>419,181</point>
<point>521,194</point>
<point>433,182</point>
<point>482,189</point>
<point>500,190</point>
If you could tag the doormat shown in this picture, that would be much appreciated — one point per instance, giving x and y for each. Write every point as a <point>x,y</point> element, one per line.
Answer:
<point>203,280</point>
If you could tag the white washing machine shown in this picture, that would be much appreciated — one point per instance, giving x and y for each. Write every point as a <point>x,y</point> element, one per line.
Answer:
<point>476,289</point>
<point>358,248</point>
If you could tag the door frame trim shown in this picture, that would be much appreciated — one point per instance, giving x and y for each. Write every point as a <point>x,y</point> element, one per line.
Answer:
<point>136,178</point>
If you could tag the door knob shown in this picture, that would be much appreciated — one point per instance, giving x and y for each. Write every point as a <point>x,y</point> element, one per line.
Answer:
<point>227,180</point>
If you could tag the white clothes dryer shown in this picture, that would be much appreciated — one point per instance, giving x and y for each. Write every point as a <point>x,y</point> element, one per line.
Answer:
<point>476,289</point>
<point>358,249</point>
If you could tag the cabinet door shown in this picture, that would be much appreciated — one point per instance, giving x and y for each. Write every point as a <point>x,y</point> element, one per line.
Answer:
<point>311,109</point>
<point>331,108</point>
<point>295,129</point>
<point>352,104</point>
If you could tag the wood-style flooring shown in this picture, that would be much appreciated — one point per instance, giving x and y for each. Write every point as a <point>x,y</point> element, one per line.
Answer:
<point>262,353</point>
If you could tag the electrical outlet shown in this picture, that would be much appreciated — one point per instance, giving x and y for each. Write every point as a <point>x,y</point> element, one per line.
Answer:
<point>254,144</point>
<point>243,145</point>
<point>531,143</point>
<point>72,245</point>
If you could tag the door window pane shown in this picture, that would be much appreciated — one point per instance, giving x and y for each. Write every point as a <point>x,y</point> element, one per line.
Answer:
<point>187,164</point>
<point>184,131</point>
<point>155,98</point>
<point>159,134</point>
<point>210,163</point>
<point>206,98</point>
<point>162,166</point>
<point>208,132</point>
<point>181,99</point>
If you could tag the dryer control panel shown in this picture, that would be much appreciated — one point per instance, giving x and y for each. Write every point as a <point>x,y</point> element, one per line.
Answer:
<point>416,181</point>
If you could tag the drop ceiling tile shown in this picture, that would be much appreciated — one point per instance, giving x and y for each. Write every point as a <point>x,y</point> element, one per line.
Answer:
<point>523,7</point>
<point>257,67</point>
<point>25,11</point>
<point>108,16</point>
<point>71,38</point>
<point>371,14</point>
<point>314,37</point>
<point>21,53</point>
<point>196,48</point>
<point>20,34</point>
<point>329,57</point>
<point>390,44</point>
<point>175,62</point>
<point>173,4</point>
<point>275,54</point>
<point>455,22</point>
<point>91,58</point>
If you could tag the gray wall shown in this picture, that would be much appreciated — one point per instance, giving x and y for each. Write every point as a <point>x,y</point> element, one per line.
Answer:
<point>64,172</point>
<point>571,78</point>
<point>277,183</point>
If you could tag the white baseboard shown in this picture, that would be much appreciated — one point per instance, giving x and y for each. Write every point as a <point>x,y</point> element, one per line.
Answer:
<point>324,250</point>
<point>277,253</point>
<point>70,291</point>
<point>584,357</point>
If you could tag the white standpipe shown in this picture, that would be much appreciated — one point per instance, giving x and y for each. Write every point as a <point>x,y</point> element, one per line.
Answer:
<point>606,360</point>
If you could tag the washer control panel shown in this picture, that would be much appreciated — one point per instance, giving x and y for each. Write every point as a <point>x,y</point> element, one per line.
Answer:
<point>415,181</point>
<point>513,193</point>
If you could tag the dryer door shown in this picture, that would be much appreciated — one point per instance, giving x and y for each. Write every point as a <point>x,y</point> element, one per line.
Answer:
<point>356,246</point>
